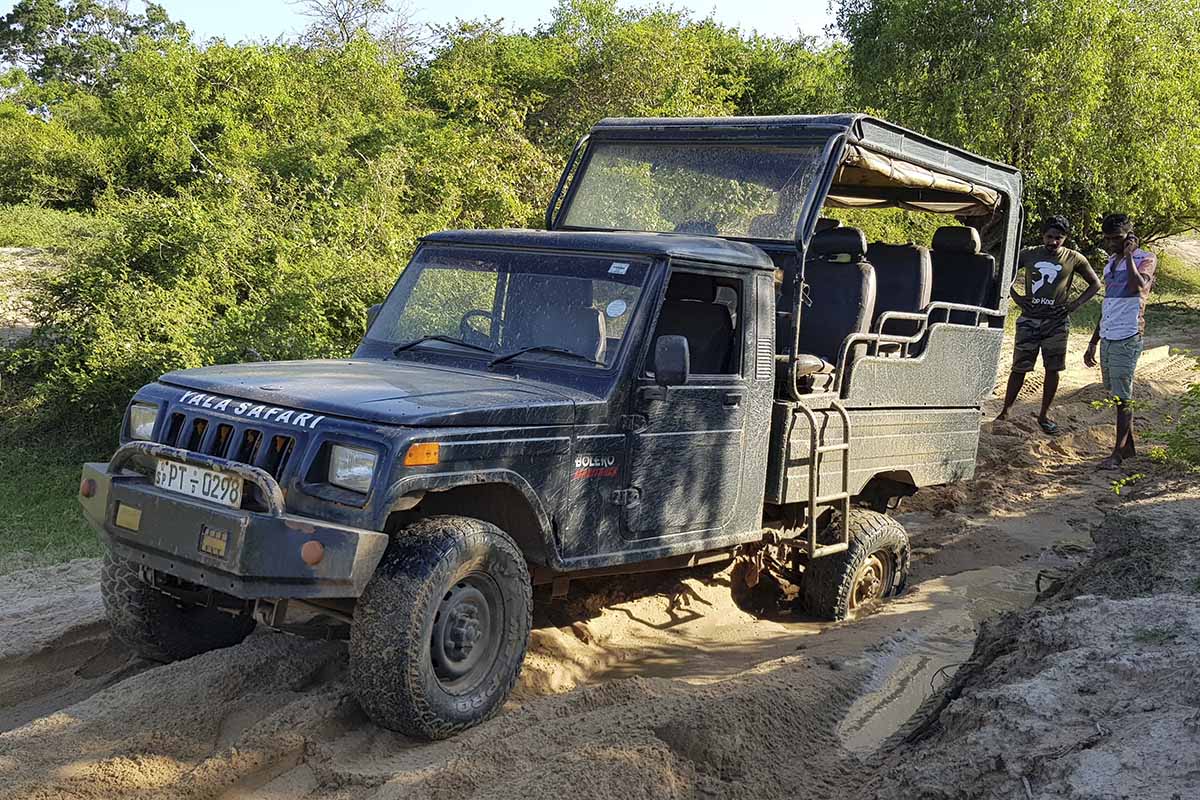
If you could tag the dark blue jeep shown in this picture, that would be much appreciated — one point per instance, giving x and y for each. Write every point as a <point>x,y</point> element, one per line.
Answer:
<point>694,362</point>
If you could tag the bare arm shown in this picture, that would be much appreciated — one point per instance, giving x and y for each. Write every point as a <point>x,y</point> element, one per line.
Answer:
<point>1021,300</point>
<point>1089,356</point>
<point>1135,276</point>
<point>1093,286</point>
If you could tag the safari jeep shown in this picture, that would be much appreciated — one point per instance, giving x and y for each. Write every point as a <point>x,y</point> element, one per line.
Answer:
<point>695,361</point>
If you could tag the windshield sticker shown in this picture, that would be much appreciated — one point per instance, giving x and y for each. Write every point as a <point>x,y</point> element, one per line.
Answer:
<point>616,308</point>
<point>618,268</point>
<point>240,408</point>
<point>595,467</point>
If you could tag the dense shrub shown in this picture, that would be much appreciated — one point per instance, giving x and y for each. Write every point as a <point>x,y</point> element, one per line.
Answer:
<point>261,196</point>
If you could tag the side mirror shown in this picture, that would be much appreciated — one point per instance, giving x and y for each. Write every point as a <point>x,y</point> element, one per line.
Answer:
<point>372,313</point>
<point>672,361</point>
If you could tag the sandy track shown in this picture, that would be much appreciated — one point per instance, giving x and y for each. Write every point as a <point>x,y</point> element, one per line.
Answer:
<point>20,268</point>
<point>676,693</point>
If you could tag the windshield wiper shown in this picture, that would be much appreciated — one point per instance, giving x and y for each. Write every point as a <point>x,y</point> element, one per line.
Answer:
<point>437,337</point>
<point>543,348</point>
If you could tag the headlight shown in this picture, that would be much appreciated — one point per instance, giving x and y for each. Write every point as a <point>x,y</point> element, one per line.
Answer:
<point>350,468</point>
<point>141,420</point>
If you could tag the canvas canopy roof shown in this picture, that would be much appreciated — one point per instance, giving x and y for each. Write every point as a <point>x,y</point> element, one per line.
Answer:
<point>868,179</point>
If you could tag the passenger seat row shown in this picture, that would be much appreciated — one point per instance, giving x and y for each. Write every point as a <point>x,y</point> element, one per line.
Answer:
<point>851,285</point>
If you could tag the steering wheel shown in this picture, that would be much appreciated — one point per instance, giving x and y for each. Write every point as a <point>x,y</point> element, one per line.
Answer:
<point>472,334</point>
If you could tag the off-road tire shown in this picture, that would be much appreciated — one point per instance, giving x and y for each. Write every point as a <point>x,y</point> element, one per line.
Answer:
<point>760,600</point>
<point>159,627</point>
<point>392,662</point>
<point>828,581</point>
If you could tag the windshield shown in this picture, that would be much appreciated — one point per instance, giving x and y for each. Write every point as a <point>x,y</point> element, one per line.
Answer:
<point>489,303</point>
<point>745,190</point>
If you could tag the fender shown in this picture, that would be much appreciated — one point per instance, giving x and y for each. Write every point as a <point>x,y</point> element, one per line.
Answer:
<point>401,490</point>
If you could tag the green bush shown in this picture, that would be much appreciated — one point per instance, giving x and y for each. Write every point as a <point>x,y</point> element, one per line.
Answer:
<point>1180,436</point>
<point>45,228</point>
<point>45,163</point>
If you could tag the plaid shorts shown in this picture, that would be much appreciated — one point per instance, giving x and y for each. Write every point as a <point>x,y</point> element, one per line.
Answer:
<point>1047,335</point>
<point>1118,360</point>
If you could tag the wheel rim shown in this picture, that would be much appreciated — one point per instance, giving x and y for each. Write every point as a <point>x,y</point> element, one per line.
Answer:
<point>467,630</point>
<point>871,581</point>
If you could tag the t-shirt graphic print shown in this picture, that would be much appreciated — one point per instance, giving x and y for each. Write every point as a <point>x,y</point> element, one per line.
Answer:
<point>1048,277</point>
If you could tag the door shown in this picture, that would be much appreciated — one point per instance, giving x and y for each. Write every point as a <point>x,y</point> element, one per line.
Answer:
<point>685,442</point>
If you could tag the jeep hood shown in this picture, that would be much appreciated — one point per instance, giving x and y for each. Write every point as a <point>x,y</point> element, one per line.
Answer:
<point>389,392</point>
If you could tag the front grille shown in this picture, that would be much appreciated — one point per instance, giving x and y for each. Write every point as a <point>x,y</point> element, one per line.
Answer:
<point>244,444</point>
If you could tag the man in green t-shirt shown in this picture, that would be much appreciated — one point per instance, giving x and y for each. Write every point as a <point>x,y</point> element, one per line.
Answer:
<point>1045,307</point>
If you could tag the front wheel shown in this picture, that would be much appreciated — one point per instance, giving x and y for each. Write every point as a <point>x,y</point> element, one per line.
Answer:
<point>874,568</point>
<point>440,631</point>
<point>159,627</point>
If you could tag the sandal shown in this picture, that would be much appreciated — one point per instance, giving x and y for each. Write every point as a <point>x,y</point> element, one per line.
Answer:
<point>1048,426</point>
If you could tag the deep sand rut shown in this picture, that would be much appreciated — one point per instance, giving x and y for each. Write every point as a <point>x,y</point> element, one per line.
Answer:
<point>676,693</point>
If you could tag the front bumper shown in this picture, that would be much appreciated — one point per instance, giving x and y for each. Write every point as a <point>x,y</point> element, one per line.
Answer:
<point>259,551</point>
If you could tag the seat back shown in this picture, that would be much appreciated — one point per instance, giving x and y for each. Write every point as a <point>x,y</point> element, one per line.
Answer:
<point>689,310</point>
<point>841,292</point>
<point>554,311</point>
<point>962,274</point>
<point>904,281</point>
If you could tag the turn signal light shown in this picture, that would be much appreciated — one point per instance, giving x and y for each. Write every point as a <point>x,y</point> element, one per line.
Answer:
<point>87,487</point>
<point>422,454</point>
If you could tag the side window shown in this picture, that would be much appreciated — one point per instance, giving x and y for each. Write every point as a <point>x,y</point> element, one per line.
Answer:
<point>706,310</point>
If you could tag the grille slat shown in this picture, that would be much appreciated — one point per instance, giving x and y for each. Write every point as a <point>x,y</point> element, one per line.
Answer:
<point>245,445</point>
<point>221,440</point>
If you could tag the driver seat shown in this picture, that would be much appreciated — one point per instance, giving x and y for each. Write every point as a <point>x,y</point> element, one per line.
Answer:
<point>579,329</point>
<point>841,287</point>
<point>556,312</point>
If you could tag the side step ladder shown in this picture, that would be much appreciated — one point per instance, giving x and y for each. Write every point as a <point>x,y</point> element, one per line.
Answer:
<point>817,449</point>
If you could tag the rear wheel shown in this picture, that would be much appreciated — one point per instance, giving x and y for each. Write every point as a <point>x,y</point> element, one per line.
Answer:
<point>762,598</point>
<point>440,631</point>
<point>160,627</point>
<point>874,568</point>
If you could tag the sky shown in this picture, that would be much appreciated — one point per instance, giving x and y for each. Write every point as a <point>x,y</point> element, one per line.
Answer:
<point>267,19</point>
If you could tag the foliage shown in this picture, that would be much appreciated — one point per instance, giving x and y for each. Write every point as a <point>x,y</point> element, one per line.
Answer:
<point>47,163</point>
<point>336,23</point>
<point>269,195</point>
<point>1094,101</point>
<point>40,519</point>
<point>215,198</point>
<point>44,228</point>
<point>1122,483</point>
<point>77,41</point>
<point>1180,434</point>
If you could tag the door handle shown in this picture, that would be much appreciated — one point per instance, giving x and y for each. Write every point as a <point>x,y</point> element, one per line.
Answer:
<point>731,399</point>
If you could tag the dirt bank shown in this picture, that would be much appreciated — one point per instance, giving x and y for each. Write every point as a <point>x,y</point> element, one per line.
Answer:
<point>655,687</point>
<point>1094,693</point>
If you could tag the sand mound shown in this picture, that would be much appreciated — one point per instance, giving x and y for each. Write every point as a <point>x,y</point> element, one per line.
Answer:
<point>1084,697</point>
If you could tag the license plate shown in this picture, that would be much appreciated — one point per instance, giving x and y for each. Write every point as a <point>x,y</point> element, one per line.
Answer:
<point>207,484</point>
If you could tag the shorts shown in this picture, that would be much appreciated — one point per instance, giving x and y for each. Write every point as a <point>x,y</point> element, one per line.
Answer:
<point>1118,360</point>
<point>1047,335</point>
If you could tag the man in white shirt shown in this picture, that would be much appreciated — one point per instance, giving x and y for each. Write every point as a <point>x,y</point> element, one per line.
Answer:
<point>1128,278</point>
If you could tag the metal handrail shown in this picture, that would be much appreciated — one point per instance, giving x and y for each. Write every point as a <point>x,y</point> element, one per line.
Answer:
<point>878,337</point>
<point>271,493</point>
